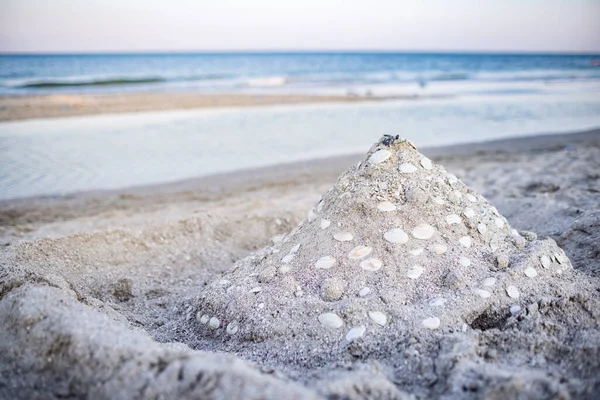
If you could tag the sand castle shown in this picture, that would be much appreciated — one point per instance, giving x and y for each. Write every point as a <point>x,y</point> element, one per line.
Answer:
<point>398,247</point>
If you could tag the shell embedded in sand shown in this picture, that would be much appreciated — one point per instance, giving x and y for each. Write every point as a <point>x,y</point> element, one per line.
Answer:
<point>456,195</point>
<point>438,302</point>
<point>378,317</point>
<point>423,231</point>
<point>214,323</point>
<point>415,272</point>
<point>530,272</point>
<point>416,252</point>
<point>465,241</point>
<point>325,262</point>
<point>452,179</point>
<point>431,323</point>
<point>379,157</point>
<point>364,291</point>
<point>355,333</point>
<point>407,168</point>
<point>426,163</point>
<point>471,198</point>
<point>481,228</point>
<point>439,249</point>
<point>469,213</point>
<point>295,248</point>
<point>386,206</point>
<point>359,252</point>
<point>514,310</point>
<point>372,264</point>
<point>396,235</point>
<point>465,262</point>
<point>232,328</point>
<point>489,281</point>
<point>545,260</point>
<point>499,222</point>
<point>325,224</point>
<point>311,215</point>
<point>287,258</point>
<point>255,290</point>
<point>343,236</point>
<point>330,320</point>
<point>512,292</point>
<point>482,293</point>
<point>453,219</point>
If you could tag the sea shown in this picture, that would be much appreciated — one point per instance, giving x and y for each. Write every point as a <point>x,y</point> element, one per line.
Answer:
<point>435,99</point>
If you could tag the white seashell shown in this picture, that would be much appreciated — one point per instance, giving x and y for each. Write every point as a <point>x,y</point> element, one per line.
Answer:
<point>512,292</point>
<point>452,179</point>
<point>489,281</point>
<point>287,258</point>
<point>465,241</point>
<point>284,269</point>
<point>364,291</point>
<point>440,301</point>
<point>471,198</point>
<point>515,310</point>
<point>330,320</point>
<point>325,262</point>
<point>343,236</point>
<point>457,194</point>
<point>214,323</point>
<point>499,222</point>
<point>469,213</point>
<point>426,163</point>
<point>416,252</point>
<point>494,245</point>
<point>423,231</point>
<point>295,248</point>
<point>320,205</point>
<point>379,157</point>
<point>312,215</point>
<point>515,232</point>
<point>396,235</point>
<point>431,323</point>
<point>407,168</point>
<point>415,272</point>
<point>545,260</point>
<point>325,224</point>
<point>465,262</point>
<point>482,228</point>
<point>232,328</point>
<point>439,248</point>
<point>561,258</point>
<point>204,319</point>
<point>482,293</point>
<point>386,206</point>
<point>378,317</point>
<point>453,219</point>
<point>495,211</point>
<point>355,333</point>
<point>372,264</point>
<point>530,272</point>
<point>359,252</point>
<point>255,290</point>
<point>439,201</point>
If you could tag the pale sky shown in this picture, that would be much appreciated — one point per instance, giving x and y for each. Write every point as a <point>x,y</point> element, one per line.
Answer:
<point>207,25</point>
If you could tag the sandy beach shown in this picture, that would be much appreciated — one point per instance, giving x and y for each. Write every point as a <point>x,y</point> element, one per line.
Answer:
<point>109,281</point>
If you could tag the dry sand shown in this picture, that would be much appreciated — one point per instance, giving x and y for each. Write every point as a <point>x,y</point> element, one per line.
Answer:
<point>99,291</point>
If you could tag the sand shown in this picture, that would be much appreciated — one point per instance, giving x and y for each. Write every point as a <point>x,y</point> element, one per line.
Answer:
<point>111,282</point>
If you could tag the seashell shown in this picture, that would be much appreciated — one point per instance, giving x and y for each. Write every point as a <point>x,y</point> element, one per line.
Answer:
<point>396,235</point>
<point>465,241</point>
<point>364,291</point>
<point>438,302</point>
<point>330,320</point>
<point>359,252</point>
<point>465,262</point>
<point>431,323</point>
<point>471,198</point>
<point>439,248</point>
<point>407,168</point>
<point>415,272</point>
<point>379,157</point>
<point>312,215</point>
<point>295,248</point>
<point>494,245</point>
<point>287,258</point>
<point>482,293</point>
<point>386,206</point>
<point>355,333</point>
<point>530,272</point>
<point>499,222</point>
<point>426,163</point>
<point>515,310</point>
<point>423,231</point>
<point>453,219</point>
<point>378,317</point>
<point>232,328</point>
<point>343,236</point>
<point>512,292</point>
<point>372,264</point>
<point>325,224</point>
<point>545,260</point>
<point>469,213</point>
<point>255,290</point>
<point>481,228</point>
<point>204,319</point>
<point>561,258</point>
<point>489,281</point>
<point>452,179</point>
<point>457,194</point>
<point>416,252</point>
<point>214,323</point>
<point>325,262</point>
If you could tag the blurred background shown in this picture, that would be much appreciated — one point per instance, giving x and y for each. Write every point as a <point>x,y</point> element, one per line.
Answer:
<point>112,94</point>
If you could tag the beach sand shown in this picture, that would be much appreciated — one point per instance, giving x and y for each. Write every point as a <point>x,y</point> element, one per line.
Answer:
<point>109,281</point>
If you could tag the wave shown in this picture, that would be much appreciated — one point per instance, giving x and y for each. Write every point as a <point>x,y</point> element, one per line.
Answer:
<point>269,81</point>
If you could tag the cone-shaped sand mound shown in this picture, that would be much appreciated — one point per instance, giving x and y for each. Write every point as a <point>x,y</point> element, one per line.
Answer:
<point>397,245</point>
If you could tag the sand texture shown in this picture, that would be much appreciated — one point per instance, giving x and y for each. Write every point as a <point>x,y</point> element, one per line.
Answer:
<point>253,285</point>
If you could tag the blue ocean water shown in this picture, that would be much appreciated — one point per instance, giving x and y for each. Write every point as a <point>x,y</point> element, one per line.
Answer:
<point>359,73</point>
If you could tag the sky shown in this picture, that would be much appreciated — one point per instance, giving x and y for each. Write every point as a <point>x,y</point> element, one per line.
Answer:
<point>271,25</point>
